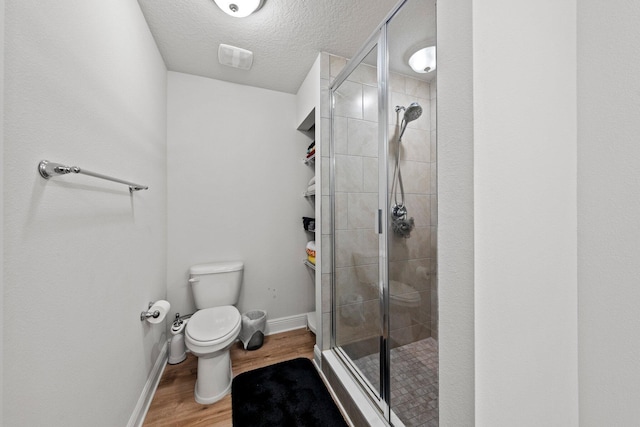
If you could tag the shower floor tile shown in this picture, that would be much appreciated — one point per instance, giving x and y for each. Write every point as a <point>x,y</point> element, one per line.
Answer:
<point>414,381</point>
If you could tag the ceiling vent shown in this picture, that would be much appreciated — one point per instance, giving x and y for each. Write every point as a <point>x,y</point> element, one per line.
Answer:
<point>236,57</point>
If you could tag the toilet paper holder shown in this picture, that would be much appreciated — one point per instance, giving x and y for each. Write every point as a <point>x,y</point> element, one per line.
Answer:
<point>146,314</point>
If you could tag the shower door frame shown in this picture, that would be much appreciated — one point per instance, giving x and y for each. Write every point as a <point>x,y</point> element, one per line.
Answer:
<point>378,40</point>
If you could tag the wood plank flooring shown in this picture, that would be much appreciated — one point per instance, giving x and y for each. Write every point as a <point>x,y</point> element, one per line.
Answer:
<point>173,404</point>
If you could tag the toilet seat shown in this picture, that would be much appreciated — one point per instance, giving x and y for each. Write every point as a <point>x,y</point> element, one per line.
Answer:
<point>404,294</point>
<point>212,326</point>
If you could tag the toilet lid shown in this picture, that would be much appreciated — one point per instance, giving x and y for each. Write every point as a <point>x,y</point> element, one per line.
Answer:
<point>213,323</point>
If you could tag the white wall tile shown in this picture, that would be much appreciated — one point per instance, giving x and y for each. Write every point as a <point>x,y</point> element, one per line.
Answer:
<point>365,74</point>
<point>325,134</point>
<point>416,177</point>
<point>349,174</point>
<point>397,83</point>
<point>325,105</point>
<point>341,211</point>
<point>415,145</point>
<point>363,208</point>
<point>417,88</point>
<point>370,174</point>
<point>370,103</point>
<point>326,215</point>
<point>363,138</point>
<point>348,100</point>
<point>336,64</point>
<point>419,207</point>
<point>340,135</point>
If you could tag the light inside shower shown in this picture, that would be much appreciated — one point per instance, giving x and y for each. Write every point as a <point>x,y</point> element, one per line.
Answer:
<point>239,8</point>
<point>424,60</point>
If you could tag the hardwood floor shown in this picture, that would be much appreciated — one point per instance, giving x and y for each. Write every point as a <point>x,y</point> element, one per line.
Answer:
<point>173,403</point>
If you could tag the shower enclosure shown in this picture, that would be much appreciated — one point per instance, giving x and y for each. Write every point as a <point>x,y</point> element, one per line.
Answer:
<point>383,217</point>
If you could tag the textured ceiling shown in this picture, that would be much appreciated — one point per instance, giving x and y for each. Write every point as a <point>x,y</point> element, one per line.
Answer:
<point>285,36</point>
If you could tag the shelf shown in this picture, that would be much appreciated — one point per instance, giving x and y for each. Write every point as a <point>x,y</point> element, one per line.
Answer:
<point>309,160</point>
<point>311,321</point>
<point>309,194</point>
<point>309,264</point>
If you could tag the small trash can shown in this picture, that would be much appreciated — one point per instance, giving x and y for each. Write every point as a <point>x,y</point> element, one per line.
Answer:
<point>252,332</point>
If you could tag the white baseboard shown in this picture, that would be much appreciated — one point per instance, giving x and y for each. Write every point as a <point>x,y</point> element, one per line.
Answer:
<point>284,324</point>
<point>140,411</point>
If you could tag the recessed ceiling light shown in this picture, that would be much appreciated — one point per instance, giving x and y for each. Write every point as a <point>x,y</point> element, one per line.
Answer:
<point>424,60</point>
<point>239,8</point>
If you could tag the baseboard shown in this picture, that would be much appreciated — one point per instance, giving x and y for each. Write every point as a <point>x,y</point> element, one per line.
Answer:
<point>284,324</point>
<point>140,411</point>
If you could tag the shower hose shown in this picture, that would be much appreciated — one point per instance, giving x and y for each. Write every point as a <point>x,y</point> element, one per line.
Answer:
<point>397,177</point>
<point>400,224</point>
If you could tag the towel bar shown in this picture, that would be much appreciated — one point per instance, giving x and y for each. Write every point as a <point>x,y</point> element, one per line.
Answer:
<point>48,169</point>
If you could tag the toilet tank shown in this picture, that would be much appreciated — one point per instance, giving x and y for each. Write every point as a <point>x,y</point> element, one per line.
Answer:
<point>216,284</point>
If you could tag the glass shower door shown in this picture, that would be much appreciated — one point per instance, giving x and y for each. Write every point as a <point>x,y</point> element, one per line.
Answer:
<point>383,213</point>
<point>411,171</point>
<point>357,304</point>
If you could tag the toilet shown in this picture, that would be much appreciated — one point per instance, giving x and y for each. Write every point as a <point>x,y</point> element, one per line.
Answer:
<point>404,300</point>
<point>214,327</point>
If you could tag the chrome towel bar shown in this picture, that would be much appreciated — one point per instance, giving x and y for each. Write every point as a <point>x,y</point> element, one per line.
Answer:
<point>48,169</point>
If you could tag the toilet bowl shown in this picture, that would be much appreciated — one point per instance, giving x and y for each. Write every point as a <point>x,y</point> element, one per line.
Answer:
<point>209,334</point>
<point>403,302</point>
<point>366,269</point>
<point>403,295</point>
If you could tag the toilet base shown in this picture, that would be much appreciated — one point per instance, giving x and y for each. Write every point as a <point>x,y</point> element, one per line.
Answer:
<point>214,378</point>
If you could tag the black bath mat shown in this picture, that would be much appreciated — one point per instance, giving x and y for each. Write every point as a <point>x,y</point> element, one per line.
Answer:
<point>287,394</point>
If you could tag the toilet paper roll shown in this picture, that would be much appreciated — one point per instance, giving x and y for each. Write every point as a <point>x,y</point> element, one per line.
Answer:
<point>163,307</point>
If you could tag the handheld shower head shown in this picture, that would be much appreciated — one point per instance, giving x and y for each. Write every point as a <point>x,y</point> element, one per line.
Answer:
<point>400,224</point>
<point>411,113</point>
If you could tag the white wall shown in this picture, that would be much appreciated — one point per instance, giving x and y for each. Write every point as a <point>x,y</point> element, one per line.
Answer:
<point>524,78</point>
<point>1,205</point>
<point>608,212</point>
<point>235,184</point>
<point>455,214</point>
<point>85,85</point>
<point>524,114</point>
<point>308,95</point>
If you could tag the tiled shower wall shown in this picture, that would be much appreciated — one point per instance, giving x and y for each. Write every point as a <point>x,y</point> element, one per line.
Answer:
<point>412,261</point>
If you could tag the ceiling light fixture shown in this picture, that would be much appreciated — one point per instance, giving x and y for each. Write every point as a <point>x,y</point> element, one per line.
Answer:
<point>239,8</point>
<point>424,60</point>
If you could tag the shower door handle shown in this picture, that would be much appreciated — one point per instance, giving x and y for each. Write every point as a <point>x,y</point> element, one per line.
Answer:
<point>379,221</point>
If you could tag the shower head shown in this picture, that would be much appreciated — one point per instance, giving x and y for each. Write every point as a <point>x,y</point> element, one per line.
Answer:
<point>411,113</point>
